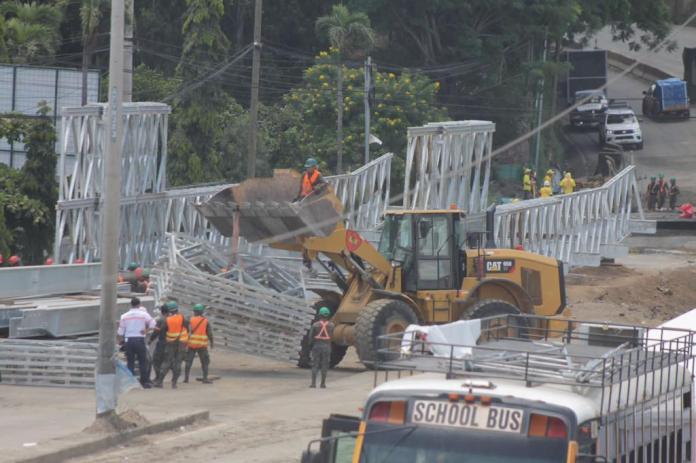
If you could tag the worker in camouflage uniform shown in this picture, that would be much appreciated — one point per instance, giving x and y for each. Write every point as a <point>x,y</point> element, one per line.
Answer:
<point>176,339</point>
<point>159,335</point>
<point>201,336</point>
<point>320,343</point>
<point>652,194</point>
<point>673,193</point>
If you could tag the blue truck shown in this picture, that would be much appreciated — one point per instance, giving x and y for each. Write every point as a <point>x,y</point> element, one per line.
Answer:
<point>667,97</point>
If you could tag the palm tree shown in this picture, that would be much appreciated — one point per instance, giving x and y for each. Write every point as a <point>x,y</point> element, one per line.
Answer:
<point>91,14</point>
<point>347,32</point>
<point>32,31</point>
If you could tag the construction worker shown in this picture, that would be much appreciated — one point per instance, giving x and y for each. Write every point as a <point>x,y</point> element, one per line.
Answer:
<point>320,342</point>
<point>176,339</point>
<point>201,335</point>
<point>652,194</point>
<point>159,335</point>
<point>527,183</point>
<point>568,183</point>
<point>132,330</point>
<point>661,192</point>
<point>546,191</point>
<point>549,176</point>
<point>534,184</point>
<point>673,193</point>
<point>312,181</point>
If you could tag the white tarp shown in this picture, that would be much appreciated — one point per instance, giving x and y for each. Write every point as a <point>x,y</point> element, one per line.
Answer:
<point>454,339</point>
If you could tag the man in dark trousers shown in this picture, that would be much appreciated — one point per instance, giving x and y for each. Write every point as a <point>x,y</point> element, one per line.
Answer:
<point>661,192</point>
<point>652,194</point>
<point>320,341</point>
<point>158,335</point>
<point>201,335</point>
<point>176,339</point>
<point>673,193</point>
<point>132,329</point>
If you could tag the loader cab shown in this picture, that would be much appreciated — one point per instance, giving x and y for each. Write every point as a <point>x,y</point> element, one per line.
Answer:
<point>428,246</point>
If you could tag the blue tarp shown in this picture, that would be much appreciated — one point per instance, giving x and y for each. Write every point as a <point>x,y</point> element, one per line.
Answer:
<point>672,94</point>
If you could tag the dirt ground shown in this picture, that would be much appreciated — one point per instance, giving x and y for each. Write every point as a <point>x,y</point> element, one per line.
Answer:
<point>634,293</point>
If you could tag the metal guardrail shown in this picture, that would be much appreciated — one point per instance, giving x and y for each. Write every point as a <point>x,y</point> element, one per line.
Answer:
<point>578,228</point>
<point>448,162</point>
<point>47,363</point>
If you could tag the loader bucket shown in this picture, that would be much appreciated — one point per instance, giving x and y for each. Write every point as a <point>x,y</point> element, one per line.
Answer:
<point>267,213</point>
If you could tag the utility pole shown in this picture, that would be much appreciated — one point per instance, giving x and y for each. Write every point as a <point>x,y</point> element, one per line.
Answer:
<point>254,106</point>
<point>128,52</point>
<point>111,209</point>
<point>368,83</point>
<point>540,100</point>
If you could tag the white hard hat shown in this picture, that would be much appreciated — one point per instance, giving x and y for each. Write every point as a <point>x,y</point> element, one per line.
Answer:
<point>547,183</point>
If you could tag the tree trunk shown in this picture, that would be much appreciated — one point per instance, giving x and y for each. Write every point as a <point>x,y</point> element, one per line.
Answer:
<point>339,119</point>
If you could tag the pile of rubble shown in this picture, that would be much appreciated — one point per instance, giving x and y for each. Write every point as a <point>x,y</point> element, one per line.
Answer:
<point>257,307</point>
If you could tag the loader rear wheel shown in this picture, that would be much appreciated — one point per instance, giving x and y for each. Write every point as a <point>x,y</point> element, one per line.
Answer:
<point>516,328</point>
<point>378,318</point>
<point>337,351</point>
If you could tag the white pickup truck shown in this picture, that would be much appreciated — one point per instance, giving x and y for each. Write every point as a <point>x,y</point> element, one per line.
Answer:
<point>620,126</point>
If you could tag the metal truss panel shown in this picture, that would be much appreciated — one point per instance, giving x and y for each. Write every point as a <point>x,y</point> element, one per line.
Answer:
<point>578,228</point>
<point>448,163</point>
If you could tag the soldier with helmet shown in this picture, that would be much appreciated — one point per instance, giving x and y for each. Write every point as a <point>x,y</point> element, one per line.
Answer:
<point>176,335</point>
<point>320,344</point>
<point>201,336</point>
<point>159,336</point>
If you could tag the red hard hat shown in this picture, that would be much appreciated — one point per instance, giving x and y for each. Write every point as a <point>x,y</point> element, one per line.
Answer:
<point>1,259</point>
<point>13,260</point>
<point>79,260</point>
<point>519,247</point>
<point>138,273</point>
<point>49,261</point>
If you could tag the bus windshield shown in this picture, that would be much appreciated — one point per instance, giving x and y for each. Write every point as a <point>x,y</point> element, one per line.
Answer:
<point>425,444</point>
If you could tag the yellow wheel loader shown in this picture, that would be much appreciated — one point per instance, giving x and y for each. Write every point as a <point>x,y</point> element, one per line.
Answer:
<point>429,267</point>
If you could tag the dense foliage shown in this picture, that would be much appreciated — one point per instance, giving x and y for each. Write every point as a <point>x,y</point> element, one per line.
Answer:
<point>435,59</point>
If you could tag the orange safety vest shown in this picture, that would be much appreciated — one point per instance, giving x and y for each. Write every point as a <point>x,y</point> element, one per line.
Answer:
<point>199,333</point>
<point>308,182</point>
<point>323,334</point>
<point>176,331</point>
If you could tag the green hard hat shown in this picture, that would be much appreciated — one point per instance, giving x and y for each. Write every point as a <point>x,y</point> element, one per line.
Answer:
<point>146,273</point>
<point>653,178</point>
<point>172,306</point>
<point>672,179</point>
<point>662,175</point>
<point>132,266</point>
<point>198,308</point>
<point>311,162</point>
<point>324,312</point>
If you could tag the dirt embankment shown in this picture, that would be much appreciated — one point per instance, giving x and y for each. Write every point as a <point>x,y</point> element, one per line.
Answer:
<point>620,294</point>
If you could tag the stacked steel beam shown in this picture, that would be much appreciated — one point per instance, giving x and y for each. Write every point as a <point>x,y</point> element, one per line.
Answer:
<point>258,307</point>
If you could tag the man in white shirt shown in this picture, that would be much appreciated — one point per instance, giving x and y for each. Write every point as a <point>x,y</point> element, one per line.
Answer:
<point>132,329</point>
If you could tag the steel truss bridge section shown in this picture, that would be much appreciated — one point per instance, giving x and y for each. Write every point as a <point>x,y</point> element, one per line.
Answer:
<point>148,209</point>
<point>364,192</point>
<point>579,228</point>
<point>448,163</point>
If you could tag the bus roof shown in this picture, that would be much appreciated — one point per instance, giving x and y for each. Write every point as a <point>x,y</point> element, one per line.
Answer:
<point>585,406</point>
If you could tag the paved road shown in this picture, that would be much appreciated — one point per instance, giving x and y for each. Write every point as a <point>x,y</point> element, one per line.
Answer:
<point>670,147</point>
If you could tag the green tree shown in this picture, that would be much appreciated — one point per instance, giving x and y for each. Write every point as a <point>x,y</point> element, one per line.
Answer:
<point>347,33</point>
<point>31,31</point>
<point>151,85</point>
<point>200,102</point>
<point>91,14</point>
<point>303,126</point>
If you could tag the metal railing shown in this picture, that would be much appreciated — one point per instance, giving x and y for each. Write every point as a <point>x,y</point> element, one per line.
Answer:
<point>578,228</point>
<point>448,162</point>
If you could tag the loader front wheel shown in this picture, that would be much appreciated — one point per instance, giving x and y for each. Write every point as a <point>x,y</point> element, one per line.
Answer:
<point>379,318</point>
<point>337,351</point>
<point>500,328</point>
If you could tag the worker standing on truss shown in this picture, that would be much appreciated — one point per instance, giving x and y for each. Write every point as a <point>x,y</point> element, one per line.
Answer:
<point>201,336</point>
<point>176,339</point>
<point>312,181</point>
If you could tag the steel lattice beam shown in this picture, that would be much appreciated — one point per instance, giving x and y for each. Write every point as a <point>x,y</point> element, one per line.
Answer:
<point>448,163</point>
